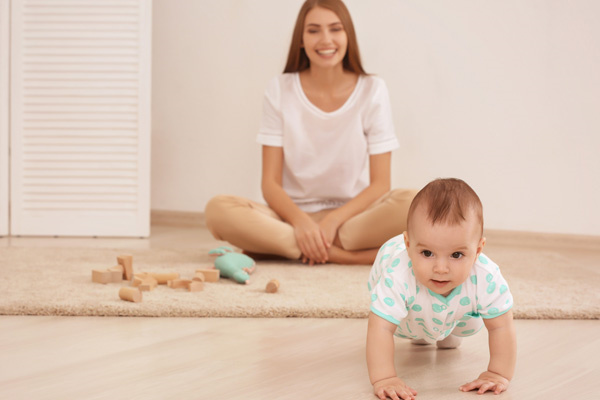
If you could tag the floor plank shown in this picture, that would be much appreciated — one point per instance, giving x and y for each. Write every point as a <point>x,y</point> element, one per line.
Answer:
<point>155,358</point>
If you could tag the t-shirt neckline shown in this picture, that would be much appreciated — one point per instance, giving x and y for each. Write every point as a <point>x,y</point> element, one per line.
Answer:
<point>317,110</point>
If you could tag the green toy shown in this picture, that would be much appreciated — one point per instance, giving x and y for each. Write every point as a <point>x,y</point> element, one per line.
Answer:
<point>232,265</point>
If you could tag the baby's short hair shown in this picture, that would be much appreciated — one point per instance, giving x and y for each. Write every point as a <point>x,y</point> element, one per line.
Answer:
<point>447,200</point>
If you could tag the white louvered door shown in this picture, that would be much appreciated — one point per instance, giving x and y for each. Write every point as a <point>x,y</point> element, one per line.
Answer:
<point>4,93</point>
<point>80,117</point>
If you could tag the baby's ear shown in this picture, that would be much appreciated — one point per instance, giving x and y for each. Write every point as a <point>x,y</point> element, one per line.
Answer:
<point>406,241</point>
<point>481,245</point>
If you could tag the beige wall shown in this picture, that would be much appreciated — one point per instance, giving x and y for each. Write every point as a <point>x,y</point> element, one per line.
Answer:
<point>503,94</point>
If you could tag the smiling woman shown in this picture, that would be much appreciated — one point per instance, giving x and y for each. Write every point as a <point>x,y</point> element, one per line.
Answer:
<point>327,136</point>
<point>336,18</point>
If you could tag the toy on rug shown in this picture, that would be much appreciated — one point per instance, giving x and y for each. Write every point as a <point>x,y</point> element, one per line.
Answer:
<point>208,275</point>
<point>132,294</point>
<point>232,265</point>
<point>272,286</point>
<point>118,273</point>
<point>145,282</point>
<point>126,261</point>
<point>190,284</point>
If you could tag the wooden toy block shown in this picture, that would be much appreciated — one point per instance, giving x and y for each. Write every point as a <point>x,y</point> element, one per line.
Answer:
<point>179,283</point>
<point>143,277</point>
<point>152,282</point>
<point>130,294</point>
<point>137,281</point>
<point>272,286</point>
<point>126,261</point>
<point>163,278</point>
<point>196,286</point>
<point>140,275</point>
<point>144,282</point>
<point>145,287</point>
<point>199,277</point>
<point>116,273</point>
<point>192,286</point>
<point>210,275</point>
<point>100,276</point>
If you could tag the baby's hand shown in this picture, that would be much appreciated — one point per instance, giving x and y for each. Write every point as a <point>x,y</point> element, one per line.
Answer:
<point>394,388</point>
<point>487,381</point>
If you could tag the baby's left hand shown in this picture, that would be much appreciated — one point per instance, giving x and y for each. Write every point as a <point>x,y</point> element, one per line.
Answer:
<point>487,381</point>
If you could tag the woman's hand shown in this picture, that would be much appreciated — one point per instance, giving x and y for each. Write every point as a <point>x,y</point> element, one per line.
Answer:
<point>329,226</point>
<point>311,241</point>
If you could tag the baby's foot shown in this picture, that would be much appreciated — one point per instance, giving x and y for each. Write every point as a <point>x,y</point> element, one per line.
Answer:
<point>451,342</point>
<point>419,342</point>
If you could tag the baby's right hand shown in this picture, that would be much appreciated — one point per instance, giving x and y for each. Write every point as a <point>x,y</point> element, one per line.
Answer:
<point>394,388</point>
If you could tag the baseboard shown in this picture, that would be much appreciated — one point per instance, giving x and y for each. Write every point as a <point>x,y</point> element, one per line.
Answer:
<point>495,236</point>
<point>537,239</point>
<point>177,218</point>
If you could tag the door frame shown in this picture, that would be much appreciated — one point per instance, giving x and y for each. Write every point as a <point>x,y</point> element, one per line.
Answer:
<point>4,117</point>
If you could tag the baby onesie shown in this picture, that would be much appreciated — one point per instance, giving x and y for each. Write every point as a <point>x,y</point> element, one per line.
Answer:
<point>419,313</point>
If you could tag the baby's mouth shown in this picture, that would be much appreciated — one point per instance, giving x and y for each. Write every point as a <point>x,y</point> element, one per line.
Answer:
<point>439,284</point>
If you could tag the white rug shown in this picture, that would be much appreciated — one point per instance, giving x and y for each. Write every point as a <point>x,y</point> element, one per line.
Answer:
<point>57,281</point>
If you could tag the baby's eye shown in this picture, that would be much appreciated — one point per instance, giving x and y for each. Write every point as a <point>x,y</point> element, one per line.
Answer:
<point>457,255</point>
<point>427,253</point>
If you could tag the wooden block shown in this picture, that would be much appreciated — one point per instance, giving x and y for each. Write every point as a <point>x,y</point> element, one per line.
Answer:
<point>152,282</point>
<point>145,287</point>
<point>126,261</point>
<point>179,283</point>
<point>210,275</point>
<point>199,277</point>
<point>116,273</point>
<point>100,276</point>
<point>272,286</point>
<point>163,278</point>
<point>144,281</point>
<point>130,294</point>
<point>137,281</point>
<point>196,286</point>
<point>140,275</point>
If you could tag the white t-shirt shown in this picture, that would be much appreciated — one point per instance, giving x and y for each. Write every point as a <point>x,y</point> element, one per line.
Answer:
<point>419,313</point>
<point>326,154</point>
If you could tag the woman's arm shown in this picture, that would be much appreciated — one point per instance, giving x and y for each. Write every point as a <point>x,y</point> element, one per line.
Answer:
<point>380,177</point>
<point>309,236</point>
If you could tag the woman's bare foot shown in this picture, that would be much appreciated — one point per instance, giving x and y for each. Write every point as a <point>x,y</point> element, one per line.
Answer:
<point>337,255</point>
<point>260,256</point>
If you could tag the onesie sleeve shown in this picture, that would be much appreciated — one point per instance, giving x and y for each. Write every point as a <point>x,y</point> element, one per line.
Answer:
<point>387,289</point>
<point>378,121</point>
<point>493,295</point>
<point>271,126</point>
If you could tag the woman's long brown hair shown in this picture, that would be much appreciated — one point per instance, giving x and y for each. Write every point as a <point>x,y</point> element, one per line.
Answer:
<point>298,60</point>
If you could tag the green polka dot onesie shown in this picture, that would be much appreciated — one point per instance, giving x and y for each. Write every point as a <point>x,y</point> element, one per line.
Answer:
<point>419,313</point>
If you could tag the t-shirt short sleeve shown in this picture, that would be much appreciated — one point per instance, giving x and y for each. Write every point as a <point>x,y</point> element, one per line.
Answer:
<point>388,291</point>
<point>493,295</point>
<point>378,121</point>
<point>271,126</point>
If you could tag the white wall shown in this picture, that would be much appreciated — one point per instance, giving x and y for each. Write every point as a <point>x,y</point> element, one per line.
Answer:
<point>503,94</point>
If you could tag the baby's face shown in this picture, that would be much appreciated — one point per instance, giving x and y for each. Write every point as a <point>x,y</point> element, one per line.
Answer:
<point>442,255</point>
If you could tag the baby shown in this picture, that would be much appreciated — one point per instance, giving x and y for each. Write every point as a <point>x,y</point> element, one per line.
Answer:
<point>432,284</point>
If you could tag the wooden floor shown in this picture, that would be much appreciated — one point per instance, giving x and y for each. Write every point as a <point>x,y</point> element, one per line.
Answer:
<point>195,358</point>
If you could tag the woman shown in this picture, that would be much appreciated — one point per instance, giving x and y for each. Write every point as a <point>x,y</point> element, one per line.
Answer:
<point>327,136</point>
